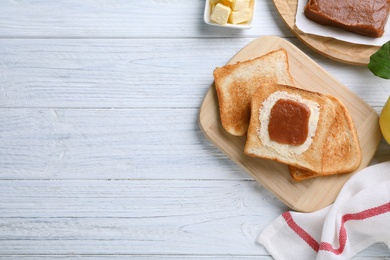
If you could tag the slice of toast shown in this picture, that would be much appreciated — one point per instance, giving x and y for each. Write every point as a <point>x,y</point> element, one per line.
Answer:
<point>327,148</point>
<point>236,83</point>
<point>341,148</point>
<point>363,17</point>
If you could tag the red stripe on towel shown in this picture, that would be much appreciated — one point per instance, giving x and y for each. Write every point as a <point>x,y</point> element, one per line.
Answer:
<point>300,231</point>
<point>343,236</point>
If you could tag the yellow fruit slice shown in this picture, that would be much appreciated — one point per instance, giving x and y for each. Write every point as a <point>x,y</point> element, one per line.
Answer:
<point>384,121</point>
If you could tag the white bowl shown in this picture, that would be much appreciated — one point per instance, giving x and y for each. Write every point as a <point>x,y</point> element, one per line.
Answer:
<point>246,25</point>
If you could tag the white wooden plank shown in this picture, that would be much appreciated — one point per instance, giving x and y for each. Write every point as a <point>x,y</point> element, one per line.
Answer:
<point>135,200</point>
<point>112,144</point>
<point>192,218</point>
<point>108,73</point>
<point>134,217</point>
<point>136,73</point>
<point>119,247</point>
<point>108,144</point>
<point>138,257</point>
<point>123,18</point>
<point>163,257</point>
<point>383,152</point>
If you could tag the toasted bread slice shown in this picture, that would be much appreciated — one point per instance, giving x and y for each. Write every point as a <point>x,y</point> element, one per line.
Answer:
<point>236,83</point>
<point>325,141</point>
<point>342,153</point>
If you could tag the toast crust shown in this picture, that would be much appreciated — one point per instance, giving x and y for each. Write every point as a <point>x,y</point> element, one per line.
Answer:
<point>342,147</point>
<point>236,83</point>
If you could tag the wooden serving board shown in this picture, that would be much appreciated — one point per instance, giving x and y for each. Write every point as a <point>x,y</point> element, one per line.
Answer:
<point>308,195</point>
<point>356,54</point>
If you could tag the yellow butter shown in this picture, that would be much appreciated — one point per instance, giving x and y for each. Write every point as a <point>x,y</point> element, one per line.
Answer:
<point>220,14</point>
<point>240,4</point>
<point>224,2</point>
<point>241,16</point>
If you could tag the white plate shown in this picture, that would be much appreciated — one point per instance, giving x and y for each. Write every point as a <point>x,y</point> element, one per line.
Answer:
<point>246,25</point>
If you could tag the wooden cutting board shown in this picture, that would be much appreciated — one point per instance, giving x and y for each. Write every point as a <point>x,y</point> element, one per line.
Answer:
<point>308,195</point>
<point>356,54</point>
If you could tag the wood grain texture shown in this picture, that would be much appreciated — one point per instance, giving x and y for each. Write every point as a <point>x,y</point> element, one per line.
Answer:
<point>174,218</point>
<point>123,18</point>
<point>309,195</point>
<point>101,155</point>
<point>108,144</point>
<point>357,54</point>
<point>136,73</point>
<point>168,222</point>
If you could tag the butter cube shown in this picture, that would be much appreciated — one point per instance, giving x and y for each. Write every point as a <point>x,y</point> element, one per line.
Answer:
<point>225,2</point>
<point>228,3</point>
<point>241,16</point>
<point>240,4</point>
<point>220,14</point>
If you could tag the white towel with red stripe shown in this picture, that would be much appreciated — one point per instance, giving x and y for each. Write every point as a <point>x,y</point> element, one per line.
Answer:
<point>359,217</point>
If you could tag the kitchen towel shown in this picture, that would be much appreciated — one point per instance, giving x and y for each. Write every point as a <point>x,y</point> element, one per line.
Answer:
<point>359,217</point>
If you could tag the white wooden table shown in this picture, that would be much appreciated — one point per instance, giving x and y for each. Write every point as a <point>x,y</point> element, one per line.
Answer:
<point>101,155</point>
